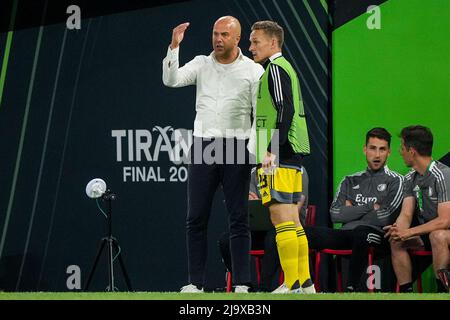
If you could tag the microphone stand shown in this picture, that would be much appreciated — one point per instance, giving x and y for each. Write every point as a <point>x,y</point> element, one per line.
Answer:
<point>112,246</point>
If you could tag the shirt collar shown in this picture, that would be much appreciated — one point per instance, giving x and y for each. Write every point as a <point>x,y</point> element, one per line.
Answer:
<point>274,56</point>
<point>271,58</point>
<point>382,170</point>
<point>428,170</point>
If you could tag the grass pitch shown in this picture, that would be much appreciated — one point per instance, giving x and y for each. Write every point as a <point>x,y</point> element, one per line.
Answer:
<point>216,296</point>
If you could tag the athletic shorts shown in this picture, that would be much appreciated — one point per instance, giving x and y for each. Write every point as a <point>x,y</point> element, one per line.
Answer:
<point>283,186</point>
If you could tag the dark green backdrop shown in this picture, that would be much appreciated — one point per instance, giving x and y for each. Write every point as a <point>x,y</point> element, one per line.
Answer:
<point>64,93</point>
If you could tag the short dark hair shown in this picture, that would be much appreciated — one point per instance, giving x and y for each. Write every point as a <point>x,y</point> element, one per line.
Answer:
<point>418,137</point>
<point>380,133</point>
<point>271,28</point>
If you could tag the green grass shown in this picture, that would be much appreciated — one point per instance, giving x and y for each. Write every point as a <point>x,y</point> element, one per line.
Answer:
<point>215,296</point>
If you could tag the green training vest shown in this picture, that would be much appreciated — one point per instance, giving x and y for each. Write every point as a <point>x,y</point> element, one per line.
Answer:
<point>266,114</point>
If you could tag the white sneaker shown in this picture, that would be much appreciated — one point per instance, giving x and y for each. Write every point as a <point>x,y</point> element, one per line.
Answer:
<point>284,289</point>
<point>298,290</point>
<point>309,290</point>
<point>241,289</point>
<point>281,289</point>
<point>191,288</point>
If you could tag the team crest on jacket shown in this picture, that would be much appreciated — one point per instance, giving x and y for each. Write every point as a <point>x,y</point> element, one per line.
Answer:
<point>430,191</point>
<point>381,187</point>
<point>417,192</point>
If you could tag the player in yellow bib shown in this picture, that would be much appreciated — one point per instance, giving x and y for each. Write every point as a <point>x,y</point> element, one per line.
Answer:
<point>279,143</point>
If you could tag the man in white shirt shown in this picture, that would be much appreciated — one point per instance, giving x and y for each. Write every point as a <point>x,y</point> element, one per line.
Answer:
<point>226,83</point>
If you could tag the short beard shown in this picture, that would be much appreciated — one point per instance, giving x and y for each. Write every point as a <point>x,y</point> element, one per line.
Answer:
<point>226,54</point>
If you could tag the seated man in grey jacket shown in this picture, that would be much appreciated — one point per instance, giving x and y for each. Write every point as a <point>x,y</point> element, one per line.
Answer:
<point>365,202</point>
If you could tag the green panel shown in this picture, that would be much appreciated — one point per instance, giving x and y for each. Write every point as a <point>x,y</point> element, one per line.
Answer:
<point>5,59</point>
<point>393,77</point>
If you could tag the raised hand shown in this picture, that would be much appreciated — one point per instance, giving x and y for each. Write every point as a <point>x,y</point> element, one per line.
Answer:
<point>178,35</point>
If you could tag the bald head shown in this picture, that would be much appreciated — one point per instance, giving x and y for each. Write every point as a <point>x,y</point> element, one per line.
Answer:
<point>226,36</point>
<point>230,22</point>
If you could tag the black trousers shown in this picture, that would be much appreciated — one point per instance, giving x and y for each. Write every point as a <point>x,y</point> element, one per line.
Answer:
<point>270,263</point>
<point>203,180</point>
<point>358,240</point>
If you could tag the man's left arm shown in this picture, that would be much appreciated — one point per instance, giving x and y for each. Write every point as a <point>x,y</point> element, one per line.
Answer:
<point>386,212</point>
<point>258,70</point>
<point>442,221</point>
<point>281,92</point>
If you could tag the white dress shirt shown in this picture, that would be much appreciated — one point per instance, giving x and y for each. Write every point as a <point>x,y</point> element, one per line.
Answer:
<point>226,93</point>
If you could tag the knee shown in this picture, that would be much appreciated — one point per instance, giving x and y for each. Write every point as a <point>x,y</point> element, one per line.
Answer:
<point>361,231</point>
<point>364,235</point>
<point>239,224</point>
<point>224,240</point>
<point>196,223</point>
<point>438,238</point>
<point>396,247</point>
<point>239,230</point>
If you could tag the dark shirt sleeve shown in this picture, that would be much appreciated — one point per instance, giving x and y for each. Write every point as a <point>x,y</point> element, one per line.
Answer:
<point>390,207</point>
<point>407,187</point>
<point>443,186</point>
<point>340,213</point>
<point>281,92</point>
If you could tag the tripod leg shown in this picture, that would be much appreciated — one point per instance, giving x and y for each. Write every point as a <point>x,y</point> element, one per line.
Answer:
<point>94,266</point>
<point>111,265</point>
<point>122,266</point>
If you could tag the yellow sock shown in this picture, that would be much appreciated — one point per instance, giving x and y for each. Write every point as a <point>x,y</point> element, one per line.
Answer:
<point>288,251</point>
<point>303,256</point>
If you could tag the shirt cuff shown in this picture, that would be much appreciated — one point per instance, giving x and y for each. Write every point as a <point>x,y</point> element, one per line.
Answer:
<point>172,54</point>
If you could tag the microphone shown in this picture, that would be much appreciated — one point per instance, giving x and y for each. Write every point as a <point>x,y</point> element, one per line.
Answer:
<point>95,188</point>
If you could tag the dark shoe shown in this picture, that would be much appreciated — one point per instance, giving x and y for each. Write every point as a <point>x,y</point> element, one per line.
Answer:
<point>444,276</point>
